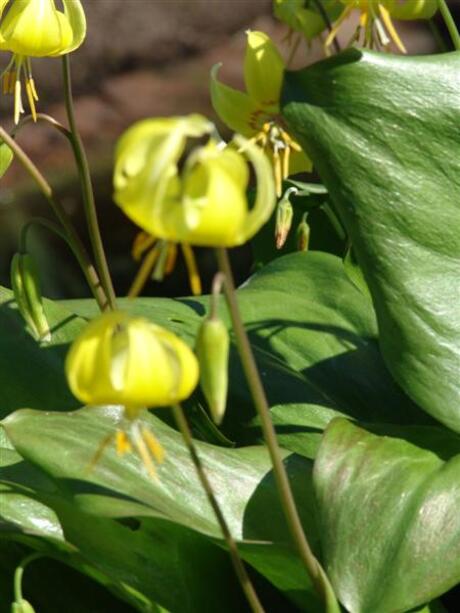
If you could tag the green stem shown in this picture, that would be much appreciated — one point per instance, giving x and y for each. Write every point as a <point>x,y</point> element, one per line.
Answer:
<point>87,188</point>
<point>237,562</point>
<point>72,237</point>
<point>310,562</point>
<point>41,117</point>
<point>322,11</point>
<point>450,23</point>
<point>20,572</point>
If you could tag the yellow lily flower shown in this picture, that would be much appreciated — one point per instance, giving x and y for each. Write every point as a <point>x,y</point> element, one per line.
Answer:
<point>129,361</point>
<point>375,28</point>
<point>205,204</point>
<point>256,113</point>
<point>36,28</point>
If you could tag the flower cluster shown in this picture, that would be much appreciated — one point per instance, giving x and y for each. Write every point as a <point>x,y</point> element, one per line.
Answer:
<point>36,28</point>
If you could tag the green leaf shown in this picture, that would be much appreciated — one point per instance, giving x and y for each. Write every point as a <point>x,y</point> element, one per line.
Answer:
<point>388,507</point>
<point>174,511</point>
<point>383,132</point>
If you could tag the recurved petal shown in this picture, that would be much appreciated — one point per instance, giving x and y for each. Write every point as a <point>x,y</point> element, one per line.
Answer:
<point>411,9</point>
<point>265,195</point>
<point>263,69</point>
<point>235,108</point>
<point>75,15</point>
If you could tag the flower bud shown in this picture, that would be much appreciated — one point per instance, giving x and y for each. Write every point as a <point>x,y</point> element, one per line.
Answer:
<point>303,234</point>
<point>212,350</point>
<point>129,361</point>
<point>22,606</point>
<point>26,289</point>
<point>6,157</point>
<point>284,215</point>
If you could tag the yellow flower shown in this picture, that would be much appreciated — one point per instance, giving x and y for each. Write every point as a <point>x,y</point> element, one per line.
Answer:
<point>375,28</point>
<point>256,113</point>
<point>205,204</point>
<point>129,361</point>
<point>36,28</point>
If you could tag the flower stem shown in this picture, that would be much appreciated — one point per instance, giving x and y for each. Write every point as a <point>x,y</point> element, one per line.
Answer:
<point>87,188</point>
<point>72,237</point>
<point>19,572</point>
<point>237,562</point>
<point>310,562</point>
<point>450,23</point>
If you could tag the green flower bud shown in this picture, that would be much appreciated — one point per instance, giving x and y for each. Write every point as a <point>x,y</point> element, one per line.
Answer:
<point>303,234</point>
<point>212,350</point>
<point>284,215</point>
<point>6,157</point>
<point>22,606</point>
<point>26,288</point>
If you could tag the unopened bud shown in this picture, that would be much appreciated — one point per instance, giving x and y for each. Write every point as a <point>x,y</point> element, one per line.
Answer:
<point>303,234</point>
<point>26,288</point>
<point>284,215</point>
<point>22,606</point>
<point>6,157</point>
<point>212,350</point>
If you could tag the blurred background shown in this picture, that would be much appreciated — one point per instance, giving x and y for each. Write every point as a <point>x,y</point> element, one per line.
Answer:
<point>141,58</point>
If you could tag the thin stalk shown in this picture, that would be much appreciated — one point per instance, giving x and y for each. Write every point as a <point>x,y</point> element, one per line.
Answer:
<point>450,23</point>
<point>41,117</point>
<point>434,28</point>
<point>87,188</point>
<point>237,562</point>
<point>327,21</point>
<point>310,562</point>
<point>77,246</point>
<point>20,572</point>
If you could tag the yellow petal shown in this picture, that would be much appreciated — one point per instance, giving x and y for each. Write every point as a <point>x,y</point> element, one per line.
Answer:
<point>234,108</point>
<point>263,70</point>
<point>123,360</point>
<point>299,162</point>
<point>75,14</point>
<point>265,194</point>
<point>35,28</point>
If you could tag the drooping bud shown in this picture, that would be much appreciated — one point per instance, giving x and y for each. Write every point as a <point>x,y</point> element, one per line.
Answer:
<point>26,288</point>
<point>6,157</point>
<point>212,350</point>
<point>284,216</point>
<point>22,606</point>
<point>303,234</point>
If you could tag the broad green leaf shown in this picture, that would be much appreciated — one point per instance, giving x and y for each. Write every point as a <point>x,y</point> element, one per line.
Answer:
<point>62,444</point>
<point>383,132</point>
<point>388,508</point>
<point>32,374</point>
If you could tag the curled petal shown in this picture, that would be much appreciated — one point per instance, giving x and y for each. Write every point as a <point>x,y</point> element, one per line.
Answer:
<point>235,108</point>
<point>265,199</point>
<point>75,14</point>
<point>263,69</point>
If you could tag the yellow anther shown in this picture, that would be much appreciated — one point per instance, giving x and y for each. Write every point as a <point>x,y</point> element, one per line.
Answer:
<point>30,97</point>
<point>171,259</point>
<point>141,244</point>
<point>192,269</point>
<point>144,272</point>
<point>277,171</point>
<point>286,158</point>
<point>154,446</point>
<point>34,91</point>
<point>122,443</point>
<point>391,29</point>
<point>143,451</point>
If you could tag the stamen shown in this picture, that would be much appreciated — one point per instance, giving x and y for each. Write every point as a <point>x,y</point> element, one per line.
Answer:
<point>142,242</point>
<point>122,443</point>
<point>192,269</point>
<point>172,258</point>
<point>144,273</point>
<point>30,97</point>
<point>277,170</point>
<point>100,450</point>
<point>18,107</point>
<point>6,83</point>
<point>391,29</point>
<point>12,82</point>
<point>334,31</point>
<point>286,158</point>
<point>142,450</point>
<point>154,446</point>
<point>34,91</point>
